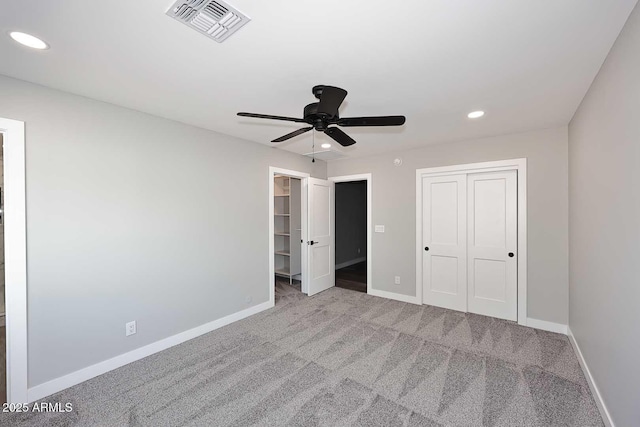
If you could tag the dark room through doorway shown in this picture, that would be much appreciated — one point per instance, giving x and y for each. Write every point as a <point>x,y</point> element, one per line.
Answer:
<point>351,235</point>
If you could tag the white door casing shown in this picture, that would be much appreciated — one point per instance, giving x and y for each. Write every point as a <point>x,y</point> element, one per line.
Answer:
<point>321,240</point>
<point>15,252</point>
<point>444,241</point>
<point>492,244</point>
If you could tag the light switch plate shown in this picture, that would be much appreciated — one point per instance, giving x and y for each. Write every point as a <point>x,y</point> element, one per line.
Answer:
<point>379,228</point>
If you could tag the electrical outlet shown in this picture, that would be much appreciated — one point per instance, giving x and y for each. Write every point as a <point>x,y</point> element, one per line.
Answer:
<point>248,300</point>
<point>379,228</point>
<point>396,280</point>
<point>130,328</point>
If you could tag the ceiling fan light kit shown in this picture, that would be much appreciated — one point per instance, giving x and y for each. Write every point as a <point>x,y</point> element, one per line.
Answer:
<point>323,114</point>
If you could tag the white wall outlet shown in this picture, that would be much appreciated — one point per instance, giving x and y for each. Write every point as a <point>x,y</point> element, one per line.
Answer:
<point>130,328</point>
<point>379,228</point>
<point>396,280</point>
<point>248,300</point>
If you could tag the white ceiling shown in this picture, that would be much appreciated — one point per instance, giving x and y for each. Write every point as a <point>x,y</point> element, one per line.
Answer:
<point>526,63</point>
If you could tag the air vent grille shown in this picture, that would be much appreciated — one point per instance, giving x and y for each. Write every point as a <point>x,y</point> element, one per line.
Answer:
<point>216,10</point>
<point>213,18</point>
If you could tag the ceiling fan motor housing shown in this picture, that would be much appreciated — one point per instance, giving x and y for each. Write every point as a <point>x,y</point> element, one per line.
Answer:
<point>320,122</point>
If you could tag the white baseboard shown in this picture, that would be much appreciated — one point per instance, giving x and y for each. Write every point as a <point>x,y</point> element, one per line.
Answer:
<point>350,263</point>
<point>58,384</point>
<point>606,417</point>
<point>393,295</point>
<point>547,326</point>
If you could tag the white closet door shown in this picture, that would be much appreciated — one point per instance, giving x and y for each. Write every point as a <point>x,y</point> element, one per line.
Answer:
<point>321,240</point>
<point>444,241</point>
<point>492,230</point>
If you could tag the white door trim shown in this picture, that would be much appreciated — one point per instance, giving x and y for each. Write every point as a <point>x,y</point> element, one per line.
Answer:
<point>15,241</point>
<point>362,177</point>
<point>519,165</point>
<point>273,171</point>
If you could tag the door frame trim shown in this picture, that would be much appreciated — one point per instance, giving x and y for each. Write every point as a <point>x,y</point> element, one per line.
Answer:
<point>273,171</point>
<point>362,177</point>
<point>519,165</point>
<point>15,241</point>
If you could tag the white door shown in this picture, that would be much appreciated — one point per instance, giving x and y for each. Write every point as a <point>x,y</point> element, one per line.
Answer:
<point>492,244</point>
<point>321,239</point>
<point>444,241</point>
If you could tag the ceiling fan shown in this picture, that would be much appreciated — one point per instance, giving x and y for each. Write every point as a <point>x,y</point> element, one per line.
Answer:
<point>321,115</point>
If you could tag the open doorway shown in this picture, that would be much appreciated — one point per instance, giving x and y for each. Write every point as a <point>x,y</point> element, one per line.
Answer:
<point>351,235</point>
<point>287,225</point>
<point>287,233</point>
<point>352,231</point>
<point>314,236</point>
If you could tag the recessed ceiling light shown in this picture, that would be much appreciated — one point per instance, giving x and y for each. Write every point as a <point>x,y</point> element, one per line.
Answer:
<point>325,145</point>
<point>475,114</point>
<point>28,40</point>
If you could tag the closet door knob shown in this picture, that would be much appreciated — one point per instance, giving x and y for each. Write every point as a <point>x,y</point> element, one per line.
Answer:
<point>311,242</point>
<point>510,254</point>
<point>426,248</point>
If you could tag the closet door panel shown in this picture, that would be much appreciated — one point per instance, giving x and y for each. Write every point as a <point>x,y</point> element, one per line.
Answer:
<point>444,241</point>
<point>492,244</point>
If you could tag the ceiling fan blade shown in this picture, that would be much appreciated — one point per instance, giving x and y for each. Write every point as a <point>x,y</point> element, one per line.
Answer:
<point>372,121</point>
<point>292,134</point>
<point>339,136</point>
<point>265,116</point>
<point>331,99</point>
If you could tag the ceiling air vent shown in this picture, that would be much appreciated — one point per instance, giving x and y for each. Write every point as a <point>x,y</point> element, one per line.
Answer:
<point>213,18</point>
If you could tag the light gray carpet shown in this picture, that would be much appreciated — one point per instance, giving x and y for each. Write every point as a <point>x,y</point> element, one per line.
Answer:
<point>343,358</point>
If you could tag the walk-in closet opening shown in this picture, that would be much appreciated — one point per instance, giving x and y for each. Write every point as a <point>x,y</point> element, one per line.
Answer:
<point>287,225</point>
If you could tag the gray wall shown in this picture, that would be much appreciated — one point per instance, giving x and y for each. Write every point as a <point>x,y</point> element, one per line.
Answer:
<point>351,221</point>
<point>394,205</point>
<point>604,218</point>
<point>133,217</point>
